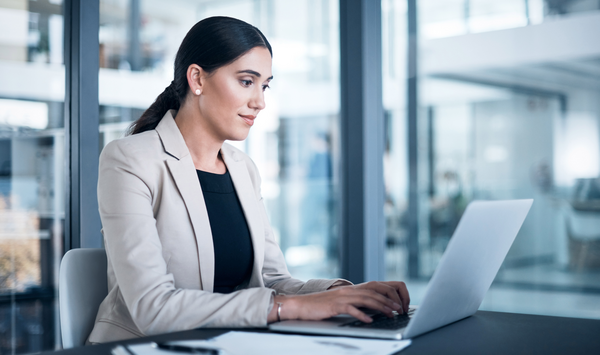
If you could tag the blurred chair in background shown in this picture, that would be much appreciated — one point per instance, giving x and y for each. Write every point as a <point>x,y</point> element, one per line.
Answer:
<point>583,225</point>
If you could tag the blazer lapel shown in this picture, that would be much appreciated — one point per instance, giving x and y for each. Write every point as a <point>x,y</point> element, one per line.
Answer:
<point>184,174</point>
<point>250,204</point>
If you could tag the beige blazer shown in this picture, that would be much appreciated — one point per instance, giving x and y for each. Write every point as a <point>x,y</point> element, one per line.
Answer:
<point>159,244</point>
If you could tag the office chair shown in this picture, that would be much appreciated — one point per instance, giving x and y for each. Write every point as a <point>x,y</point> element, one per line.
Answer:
<point>583,231</point>
<point>81,288</point>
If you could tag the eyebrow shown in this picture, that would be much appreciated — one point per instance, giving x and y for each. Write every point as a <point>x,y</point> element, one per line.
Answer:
<point>255,73</point>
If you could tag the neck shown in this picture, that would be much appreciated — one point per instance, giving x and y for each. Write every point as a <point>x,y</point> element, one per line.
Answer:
<point>204,147</point>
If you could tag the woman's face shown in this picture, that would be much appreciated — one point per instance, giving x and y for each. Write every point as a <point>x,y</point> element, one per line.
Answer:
<point>233,95</point>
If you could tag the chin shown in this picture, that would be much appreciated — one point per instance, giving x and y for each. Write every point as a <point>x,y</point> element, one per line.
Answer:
<point>240,136</point>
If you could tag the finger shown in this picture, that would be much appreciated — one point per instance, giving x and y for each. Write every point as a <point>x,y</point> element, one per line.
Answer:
<point>386,290</point>
<point>371,300</point>
<point>403,293</point>
<point>384,299</point>
<point>356,313</point>
<point>394,295</point>
<point>361,295</point>
<point>404,296</point>
<point>391,298</point>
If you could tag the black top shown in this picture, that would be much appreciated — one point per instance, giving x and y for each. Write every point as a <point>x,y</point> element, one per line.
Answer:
<point>234,256</point>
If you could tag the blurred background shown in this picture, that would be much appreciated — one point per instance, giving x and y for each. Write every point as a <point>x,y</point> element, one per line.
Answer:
<point>509,107</point>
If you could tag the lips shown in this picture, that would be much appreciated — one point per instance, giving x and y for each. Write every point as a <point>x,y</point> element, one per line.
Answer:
<point>249,119</point>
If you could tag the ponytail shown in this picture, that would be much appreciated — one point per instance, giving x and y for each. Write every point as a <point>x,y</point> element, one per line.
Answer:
<point>167,100</point>
<point>211,44</point>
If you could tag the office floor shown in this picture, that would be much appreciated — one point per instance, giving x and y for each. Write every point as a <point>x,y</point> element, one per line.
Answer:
<point>542,289</point>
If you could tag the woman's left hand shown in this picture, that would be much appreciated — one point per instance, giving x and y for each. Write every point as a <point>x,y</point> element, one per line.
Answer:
<point>394,290</point>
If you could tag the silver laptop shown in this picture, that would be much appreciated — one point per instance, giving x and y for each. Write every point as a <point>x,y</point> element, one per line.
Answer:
<point>470,263</point>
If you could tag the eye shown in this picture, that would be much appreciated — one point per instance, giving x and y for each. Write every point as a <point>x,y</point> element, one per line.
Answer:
<point>246,83</point>
<point>265,87</point>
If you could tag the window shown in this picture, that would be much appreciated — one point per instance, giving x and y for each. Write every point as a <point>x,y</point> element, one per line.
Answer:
<point>32,173</point>
<point>495,123</point>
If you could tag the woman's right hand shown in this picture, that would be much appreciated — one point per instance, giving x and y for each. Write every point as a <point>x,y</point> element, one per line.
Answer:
<point>326,304</point>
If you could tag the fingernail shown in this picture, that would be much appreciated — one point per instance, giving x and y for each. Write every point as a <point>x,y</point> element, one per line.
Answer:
<point>396,305</point>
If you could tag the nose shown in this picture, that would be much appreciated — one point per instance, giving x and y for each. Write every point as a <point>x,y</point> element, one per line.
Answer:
<point>257,102</point>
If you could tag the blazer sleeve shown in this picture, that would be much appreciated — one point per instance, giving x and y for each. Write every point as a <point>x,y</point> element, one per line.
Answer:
<point>275,273</point>
<point>125,195</point>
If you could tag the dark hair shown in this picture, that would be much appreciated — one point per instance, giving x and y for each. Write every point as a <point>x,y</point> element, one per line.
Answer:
<point>212,43</point>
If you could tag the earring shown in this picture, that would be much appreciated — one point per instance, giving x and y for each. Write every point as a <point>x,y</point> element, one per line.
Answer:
<point>197,91</point>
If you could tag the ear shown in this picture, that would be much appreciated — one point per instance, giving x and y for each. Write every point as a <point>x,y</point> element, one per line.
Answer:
<point>195,78</point>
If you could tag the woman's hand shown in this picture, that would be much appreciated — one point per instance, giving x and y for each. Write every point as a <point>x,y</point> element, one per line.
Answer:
<point>395,290</point>
<point>380,296</point>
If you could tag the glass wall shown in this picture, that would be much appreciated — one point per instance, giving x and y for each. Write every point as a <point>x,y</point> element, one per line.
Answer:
<point>294,141</point>
<point>508,109</point>
<point>32,85</point>
<point>438,19</point>
<point>394,67</point>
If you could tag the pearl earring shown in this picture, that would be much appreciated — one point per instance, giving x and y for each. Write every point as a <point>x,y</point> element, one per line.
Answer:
<point>197,91</point>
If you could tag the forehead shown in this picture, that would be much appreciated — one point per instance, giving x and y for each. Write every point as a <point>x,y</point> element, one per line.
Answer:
<point>257,59</point>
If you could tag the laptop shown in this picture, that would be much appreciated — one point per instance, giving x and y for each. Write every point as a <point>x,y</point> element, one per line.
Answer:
<point>465,272</point>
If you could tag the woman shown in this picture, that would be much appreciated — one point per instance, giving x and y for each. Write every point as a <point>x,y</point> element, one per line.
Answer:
<point>186,233</point>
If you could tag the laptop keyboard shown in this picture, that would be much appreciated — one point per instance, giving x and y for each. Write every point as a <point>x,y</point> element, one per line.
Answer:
<point>381,321</point>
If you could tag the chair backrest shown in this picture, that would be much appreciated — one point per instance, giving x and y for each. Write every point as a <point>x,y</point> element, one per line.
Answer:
<point>82,287</point>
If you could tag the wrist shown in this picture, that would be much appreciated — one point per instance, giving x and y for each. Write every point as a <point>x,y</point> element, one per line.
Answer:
<point>339,283</point>
<point>285,307</point>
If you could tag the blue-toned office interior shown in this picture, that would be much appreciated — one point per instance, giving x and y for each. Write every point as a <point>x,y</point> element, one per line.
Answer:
<point>474,100</point>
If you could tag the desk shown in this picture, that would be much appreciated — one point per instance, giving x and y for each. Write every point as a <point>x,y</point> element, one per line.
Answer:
<point>483,333</point>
